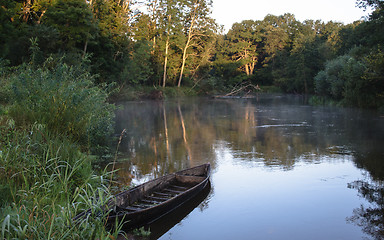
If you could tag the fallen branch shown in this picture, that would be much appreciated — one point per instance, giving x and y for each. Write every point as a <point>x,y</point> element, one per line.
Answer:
<point>242,88</point>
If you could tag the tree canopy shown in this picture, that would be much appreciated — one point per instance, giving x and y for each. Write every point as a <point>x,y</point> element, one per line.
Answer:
<point>178,43</point>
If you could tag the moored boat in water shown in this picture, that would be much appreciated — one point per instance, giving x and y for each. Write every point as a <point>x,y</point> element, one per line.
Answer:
<point>149,201</point>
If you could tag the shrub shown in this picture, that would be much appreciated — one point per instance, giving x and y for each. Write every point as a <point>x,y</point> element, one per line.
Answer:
<point>341,80</point>
<point>65,100</point>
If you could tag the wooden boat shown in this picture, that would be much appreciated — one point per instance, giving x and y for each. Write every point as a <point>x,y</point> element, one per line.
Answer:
<point>149,201</point>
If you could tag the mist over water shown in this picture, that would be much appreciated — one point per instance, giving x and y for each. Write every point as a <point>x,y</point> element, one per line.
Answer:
<point>280,167</point>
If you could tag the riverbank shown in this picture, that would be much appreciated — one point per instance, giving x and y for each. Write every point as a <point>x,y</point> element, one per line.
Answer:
<point>157,93</point>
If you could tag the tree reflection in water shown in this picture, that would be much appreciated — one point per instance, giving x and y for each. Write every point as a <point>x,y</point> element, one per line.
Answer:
<point>272,132</point>
<point>370,218</point>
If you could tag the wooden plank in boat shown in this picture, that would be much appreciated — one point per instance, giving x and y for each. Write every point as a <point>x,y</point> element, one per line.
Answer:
<point>151,202</point>
<point>183,188</point>
<point>162,199</point>
<point>140,206</point>
<point>172,190</point>
<point>167,195</point>
<point>129,209</point>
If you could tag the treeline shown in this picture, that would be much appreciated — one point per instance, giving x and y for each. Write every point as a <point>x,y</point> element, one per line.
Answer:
<point>341,63</point>
<point>177,43</point>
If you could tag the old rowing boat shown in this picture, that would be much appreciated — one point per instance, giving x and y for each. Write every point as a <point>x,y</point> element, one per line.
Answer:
<point>149,201</point>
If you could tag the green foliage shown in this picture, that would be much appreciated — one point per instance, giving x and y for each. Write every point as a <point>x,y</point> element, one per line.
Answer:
<point>64,99</point>
<point>45,181</point>
<point>138,69</point>
<point>5,86</point>
<point>141,232</point>
<point>40,164</point>
<point>176,41</point>
<point>354,82</point>
<point>371,85</point>
<point>74,21</point>
<point>331,80</point>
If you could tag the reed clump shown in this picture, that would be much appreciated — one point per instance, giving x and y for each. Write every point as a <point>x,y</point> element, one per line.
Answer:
<point>54,119</point>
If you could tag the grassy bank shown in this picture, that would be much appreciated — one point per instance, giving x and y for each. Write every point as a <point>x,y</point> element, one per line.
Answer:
<point>52,120</point>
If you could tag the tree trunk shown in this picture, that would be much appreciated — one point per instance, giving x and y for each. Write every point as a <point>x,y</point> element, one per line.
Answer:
<point>165,61</point>
<point>166,53</point>
<point>85,47</point>
<point>190,35</point>
<point>183,62</point>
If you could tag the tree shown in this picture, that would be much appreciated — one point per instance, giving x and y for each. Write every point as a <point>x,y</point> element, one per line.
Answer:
<point>74,20</point>
<point>197,23</point>
<point>243,41</point>
<point>169,26</point>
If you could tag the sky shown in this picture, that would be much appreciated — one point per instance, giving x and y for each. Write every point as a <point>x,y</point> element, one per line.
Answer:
<point>227,12</point>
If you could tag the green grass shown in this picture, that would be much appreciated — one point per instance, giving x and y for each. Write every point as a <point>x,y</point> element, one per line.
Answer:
<point>54,119</point>
<point>45,181</point>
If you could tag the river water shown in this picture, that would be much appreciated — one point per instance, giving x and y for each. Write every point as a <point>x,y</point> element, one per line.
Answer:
<point>281,169</point>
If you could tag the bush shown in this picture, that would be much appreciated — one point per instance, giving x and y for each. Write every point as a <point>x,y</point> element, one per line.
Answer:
<point>341,80</point>
<point>65,100</point>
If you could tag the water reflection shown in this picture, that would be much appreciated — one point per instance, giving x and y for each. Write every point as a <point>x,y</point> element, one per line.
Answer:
<point>162,225</point>
<point>371,217</point>
<point>275,133</point>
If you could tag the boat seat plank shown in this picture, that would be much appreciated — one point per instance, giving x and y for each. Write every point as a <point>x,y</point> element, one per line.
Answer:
<point>140,206</point>
<point>128,209</point>
<point>162,199</point>
<point>149,201</point>
<point>179,187</point>
<point>172,190</point>
<point>162,194</point>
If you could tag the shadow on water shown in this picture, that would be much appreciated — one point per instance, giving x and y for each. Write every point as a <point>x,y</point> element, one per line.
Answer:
<point>162,225</point>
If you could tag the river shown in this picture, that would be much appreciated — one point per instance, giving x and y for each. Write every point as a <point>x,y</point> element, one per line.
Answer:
<point>281,169</point>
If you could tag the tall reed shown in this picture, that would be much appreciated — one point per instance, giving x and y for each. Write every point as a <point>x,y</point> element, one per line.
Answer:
<point>49,182</point>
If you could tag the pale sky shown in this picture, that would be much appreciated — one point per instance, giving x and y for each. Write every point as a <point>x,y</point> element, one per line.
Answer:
<point>227,12</point>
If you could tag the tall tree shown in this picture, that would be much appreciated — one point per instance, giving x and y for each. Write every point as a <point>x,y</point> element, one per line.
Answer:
<point>196,21</point>
<point>170,26</point>
<point>74,20</point>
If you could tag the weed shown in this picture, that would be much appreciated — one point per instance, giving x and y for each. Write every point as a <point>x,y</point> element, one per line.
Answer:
<point>142,232</point>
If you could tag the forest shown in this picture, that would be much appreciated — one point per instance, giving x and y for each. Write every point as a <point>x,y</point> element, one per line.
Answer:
<point>63,61</point>
<point>176,43</point>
